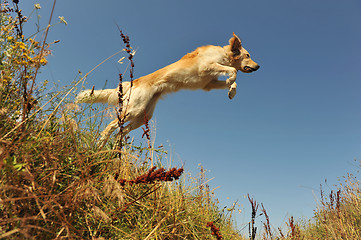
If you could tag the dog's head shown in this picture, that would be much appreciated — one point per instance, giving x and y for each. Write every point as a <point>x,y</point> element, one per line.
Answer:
<point>240,58</point>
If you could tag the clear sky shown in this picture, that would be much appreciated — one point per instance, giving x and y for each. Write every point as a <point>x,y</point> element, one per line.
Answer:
<point>293,123</point>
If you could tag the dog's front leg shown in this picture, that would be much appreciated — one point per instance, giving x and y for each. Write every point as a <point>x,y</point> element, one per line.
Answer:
<point>232,75</point>
<point>231,82</point>
<point>232,90</point>
<point>216,84</point>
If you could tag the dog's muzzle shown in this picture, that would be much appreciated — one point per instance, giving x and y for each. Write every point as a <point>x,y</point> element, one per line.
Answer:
<point>250,69</point>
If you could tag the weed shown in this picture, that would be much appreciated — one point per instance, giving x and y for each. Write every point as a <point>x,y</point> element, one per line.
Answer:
<point>267,224</point>
<point>295,232</point>
<point>251,226</point>
<point>215,230</point>
<point>155,175</point>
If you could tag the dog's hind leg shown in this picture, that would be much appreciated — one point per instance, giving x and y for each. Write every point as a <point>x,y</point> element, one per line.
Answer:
<point>108,131</point>
<point>112,126</point>
<point>134,123</point>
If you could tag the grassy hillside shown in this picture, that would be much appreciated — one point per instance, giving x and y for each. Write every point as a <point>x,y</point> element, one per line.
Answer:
<point>57,183</point>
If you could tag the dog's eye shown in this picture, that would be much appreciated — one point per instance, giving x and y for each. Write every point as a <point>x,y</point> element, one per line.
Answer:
<point>247,55</point>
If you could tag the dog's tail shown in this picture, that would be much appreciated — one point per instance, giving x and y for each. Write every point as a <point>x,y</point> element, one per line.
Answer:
<point>109,96</point>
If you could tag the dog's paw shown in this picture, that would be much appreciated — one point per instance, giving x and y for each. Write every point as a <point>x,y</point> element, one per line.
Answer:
<point>232,91</point>
<point>230,82</point>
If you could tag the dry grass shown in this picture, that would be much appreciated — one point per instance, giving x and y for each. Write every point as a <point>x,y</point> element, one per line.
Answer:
<point>338,216</point>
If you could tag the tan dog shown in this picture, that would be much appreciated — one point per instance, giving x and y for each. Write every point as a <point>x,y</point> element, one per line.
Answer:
<point>199,69</point>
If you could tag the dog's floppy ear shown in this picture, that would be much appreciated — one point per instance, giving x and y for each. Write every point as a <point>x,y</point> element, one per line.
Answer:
<point>235,44</point>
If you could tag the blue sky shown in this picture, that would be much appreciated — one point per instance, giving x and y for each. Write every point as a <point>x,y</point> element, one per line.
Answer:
<point>293,123</point>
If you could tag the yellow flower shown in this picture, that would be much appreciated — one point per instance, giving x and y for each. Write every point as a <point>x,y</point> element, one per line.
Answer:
<point>27,57</point>
<point>22,45</point>
<point>43,61</point>
<point>10,38</point>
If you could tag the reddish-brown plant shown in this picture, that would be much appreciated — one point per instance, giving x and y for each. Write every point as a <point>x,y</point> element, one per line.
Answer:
<point>154,175</point>
<point>146,130</point>
<point>215,230</point>
<point>252,228</point>
<point>267,225</point>
<point>295,231</point>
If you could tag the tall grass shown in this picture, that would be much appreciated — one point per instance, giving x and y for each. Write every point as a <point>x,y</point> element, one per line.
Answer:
<point>338,215</point>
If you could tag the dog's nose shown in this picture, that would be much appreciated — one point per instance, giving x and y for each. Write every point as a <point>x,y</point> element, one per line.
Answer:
<point>256,68</point>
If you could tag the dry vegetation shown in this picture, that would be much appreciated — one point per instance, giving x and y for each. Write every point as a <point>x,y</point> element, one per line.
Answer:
<point>56,183</point>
